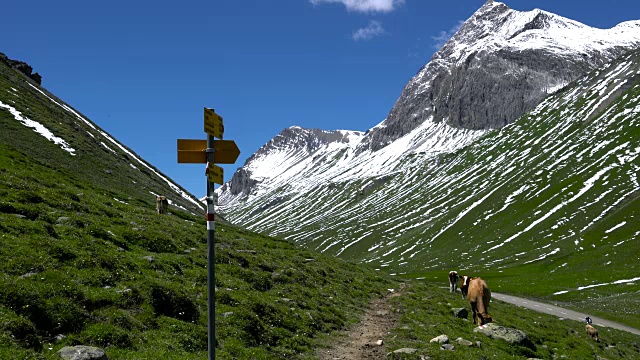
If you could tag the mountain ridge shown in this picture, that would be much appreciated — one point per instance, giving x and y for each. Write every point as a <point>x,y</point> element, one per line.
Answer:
<point>487,41</point>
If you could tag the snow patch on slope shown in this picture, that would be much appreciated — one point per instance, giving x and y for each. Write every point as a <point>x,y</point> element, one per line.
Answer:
<point>39,128</point>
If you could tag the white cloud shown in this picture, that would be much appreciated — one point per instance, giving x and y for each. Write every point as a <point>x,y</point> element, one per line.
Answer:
<point>372,30</point>
<point>364,5</point>
<point>444,36</point>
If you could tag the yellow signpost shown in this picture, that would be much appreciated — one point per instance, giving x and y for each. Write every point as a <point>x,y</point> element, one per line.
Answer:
<point>210,152</point>
<point>194,151</point>
<point>226,151</point>
<point>215,174</point>
<point>213,123</point>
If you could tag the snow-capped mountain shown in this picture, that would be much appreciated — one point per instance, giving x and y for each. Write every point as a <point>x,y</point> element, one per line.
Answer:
<point>556,189</point>
<point>500,64</point>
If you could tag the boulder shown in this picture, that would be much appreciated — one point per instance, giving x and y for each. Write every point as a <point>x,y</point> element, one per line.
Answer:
<point>442,339</point>
<point>461,313</point>
<point>23,67</point>
<point>82,352</point>
<point>509,335</point>
<point>448,347</point>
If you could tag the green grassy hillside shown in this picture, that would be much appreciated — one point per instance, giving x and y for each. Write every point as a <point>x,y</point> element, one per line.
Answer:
<point>79,267</point>
<point>96,157</point>
<point>551,201</point>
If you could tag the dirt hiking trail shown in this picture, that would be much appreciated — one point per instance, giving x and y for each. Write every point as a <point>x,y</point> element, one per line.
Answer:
<point>362,342</point>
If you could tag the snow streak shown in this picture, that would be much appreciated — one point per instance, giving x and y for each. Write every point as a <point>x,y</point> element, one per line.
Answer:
<point>39,128</point>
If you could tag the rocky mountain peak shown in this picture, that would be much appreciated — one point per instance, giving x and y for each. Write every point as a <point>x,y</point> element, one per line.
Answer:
<point>312,138</point>
<point>309,140</point>
<point>285,150</point>
<point>500,64</point>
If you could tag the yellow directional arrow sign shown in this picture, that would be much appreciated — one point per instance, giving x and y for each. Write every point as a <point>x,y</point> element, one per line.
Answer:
<point>192,151</point>
<point>226,151</point>
<point>213,123</point>
<point>215,174</point>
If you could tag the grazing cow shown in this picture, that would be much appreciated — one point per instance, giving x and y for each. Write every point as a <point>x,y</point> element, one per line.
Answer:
<point>479,297</point>
<point>464,285</point>
<point>591,331</point>
<point>453,281</point>
<point>161,204</point>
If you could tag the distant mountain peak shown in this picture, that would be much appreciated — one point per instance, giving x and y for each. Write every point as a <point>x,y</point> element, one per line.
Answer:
<point>308,139</point>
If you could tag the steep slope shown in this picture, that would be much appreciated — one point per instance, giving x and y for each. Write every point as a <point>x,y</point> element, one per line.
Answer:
<point>433,187</point>
<point>70,142</point>
<point>552,192</point>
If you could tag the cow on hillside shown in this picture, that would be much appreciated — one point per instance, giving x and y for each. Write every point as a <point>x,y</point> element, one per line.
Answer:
<point>464,285</point>
<point>161,204</point>
<point>479,298</point>
<point>591,331</point>
<point>453,281</point>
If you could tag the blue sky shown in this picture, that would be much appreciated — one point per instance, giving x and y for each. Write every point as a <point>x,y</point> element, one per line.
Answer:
<point>144,70</point>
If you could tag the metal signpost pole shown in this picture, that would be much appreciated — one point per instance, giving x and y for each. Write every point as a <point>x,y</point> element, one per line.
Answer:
<point>216,151</point>
<point>211,236</point>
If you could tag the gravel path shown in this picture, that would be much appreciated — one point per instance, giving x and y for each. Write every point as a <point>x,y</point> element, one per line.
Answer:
<point>561,312</point>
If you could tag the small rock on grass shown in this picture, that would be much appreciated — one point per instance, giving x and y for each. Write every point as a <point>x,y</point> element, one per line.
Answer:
<point>464,342</point>
<point>461,313</point>
<point>402,351</point>
<point>82,352</point>
<point>442,339</point>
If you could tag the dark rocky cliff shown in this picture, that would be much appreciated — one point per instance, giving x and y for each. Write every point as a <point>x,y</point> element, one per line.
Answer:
<point>23,67</point>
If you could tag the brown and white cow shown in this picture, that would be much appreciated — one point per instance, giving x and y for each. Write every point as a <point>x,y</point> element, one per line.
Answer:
<point>453,281</point>
<point>161,204</point>
<point>479,298</point>
<point>464,285</point>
